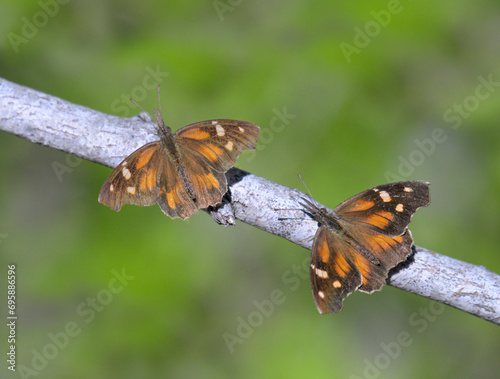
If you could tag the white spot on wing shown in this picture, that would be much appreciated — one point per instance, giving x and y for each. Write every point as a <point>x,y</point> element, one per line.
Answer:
<point>214,122</point>
<point>241,129</point>
<point>408,189</point>
<point>385,196</point>
<point>399,207</point>
<point>336,284</point>
<point>321,273</point>
<point>111,188</point>
<point>229,146</point>
<point>131,190</point>
<point>220,130</point>
<point>126,173</point>
<point>321,294</point>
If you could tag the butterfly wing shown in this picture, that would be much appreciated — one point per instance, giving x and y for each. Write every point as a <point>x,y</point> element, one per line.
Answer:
<point>333,277</point>
<point>174,199</point>
<point>134,180</point>
<point>208,149</point>
<point>378,219</point>
<point>387,208</point>
<point>337,270</point>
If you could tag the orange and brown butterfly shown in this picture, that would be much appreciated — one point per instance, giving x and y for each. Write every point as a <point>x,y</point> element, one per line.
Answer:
<point>183,171</point>
<point>358,242</point>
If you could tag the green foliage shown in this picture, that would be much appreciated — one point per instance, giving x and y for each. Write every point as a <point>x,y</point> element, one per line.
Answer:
<point>357,120</point>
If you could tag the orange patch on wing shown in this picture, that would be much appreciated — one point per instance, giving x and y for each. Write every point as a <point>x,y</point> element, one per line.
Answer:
<point>380,219</point>
<point>398,239</point>
<point>342,267</point>
<point>213,180</point>
<point>387,215</point>
<point>144,158</point>
<point>363,266</point>
<point>216,149</point>
<point>381,243</point>
<point>361,205</point>
<point>195,134</point>
<point>211,152</point>
<point>324,251</point>
<point>151,179</point>
<point>143,183</point>
<point>172,199</point>
<point>208,153</point>
<point>173,195</point>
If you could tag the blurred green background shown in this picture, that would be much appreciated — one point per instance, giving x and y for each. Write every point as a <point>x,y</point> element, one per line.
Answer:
<point>368,85</point>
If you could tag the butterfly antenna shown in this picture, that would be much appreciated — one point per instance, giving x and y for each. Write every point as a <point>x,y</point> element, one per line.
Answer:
<point>290,218</point>
<point>309,192</point>
<point>159,101</point>
<point>141,108</point>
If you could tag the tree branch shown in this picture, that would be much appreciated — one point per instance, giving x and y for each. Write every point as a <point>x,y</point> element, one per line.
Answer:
<point>107,139</point>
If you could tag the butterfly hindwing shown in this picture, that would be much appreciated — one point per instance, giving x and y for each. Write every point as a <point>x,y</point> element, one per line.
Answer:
<point>333,275</point>
<point>208,185</point>
<point>337,270</point>
<point>388,250</point>
<point>174,197</point>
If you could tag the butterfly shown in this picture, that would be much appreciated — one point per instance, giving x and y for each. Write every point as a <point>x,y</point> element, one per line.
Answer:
<point>358,242</point>
<point>183,171</point>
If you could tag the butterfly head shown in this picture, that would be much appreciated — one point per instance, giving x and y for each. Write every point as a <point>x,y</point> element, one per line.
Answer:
<point>162,129</point>
<point>319,214</point>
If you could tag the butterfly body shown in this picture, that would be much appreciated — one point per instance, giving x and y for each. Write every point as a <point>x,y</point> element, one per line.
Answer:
<point>338,227</point>
<point>168,142</point>
<point>329,220</point>
<point>183,171</point>
<point>358,242</point>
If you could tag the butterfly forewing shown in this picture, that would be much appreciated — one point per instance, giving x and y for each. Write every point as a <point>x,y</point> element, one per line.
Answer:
<point>134,180</point>
<point>218,142</point>
<point>387,208</point>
